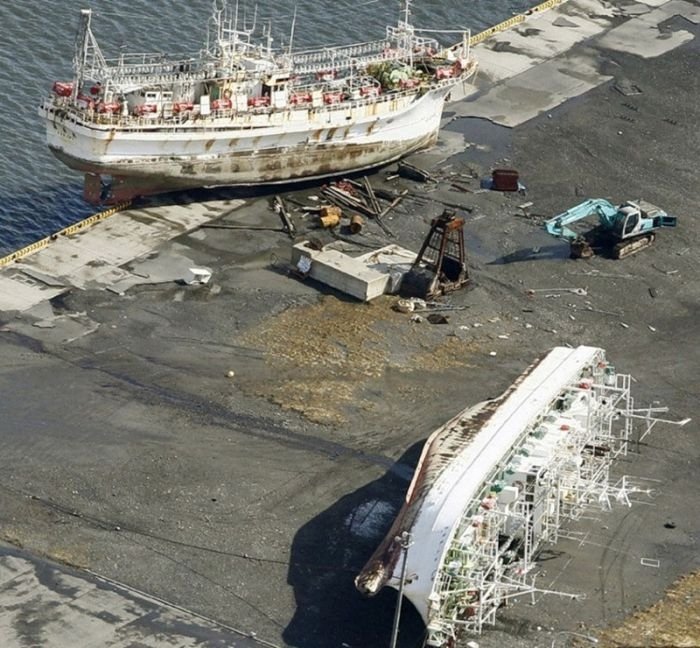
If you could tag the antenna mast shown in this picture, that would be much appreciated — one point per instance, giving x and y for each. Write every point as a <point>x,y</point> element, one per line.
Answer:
<point>291,35</point>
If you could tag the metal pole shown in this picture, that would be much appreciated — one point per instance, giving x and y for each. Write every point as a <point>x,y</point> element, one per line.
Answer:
<point>405,540</point>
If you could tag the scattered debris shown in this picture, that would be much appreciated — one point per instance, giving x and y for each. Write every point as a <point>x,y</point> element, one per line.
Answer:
<point>624,325</point>
<point>505,180</point>
<point>417,319</point>
<point>329,216</point>
<point>230,374</point>
<point>525,207</point>
<point>416,304</point>
<point>582,292</point>
<point>303,266</point>
<point>196,276</point>
<point>281,209</point>
<point>651,328</point>
<point>438,318</point>
<point>374,203</point>
<point>652,293</point>
<point>411,172</point>
<point>666,272</point>
<point>650,562</point>
<point>627,88</point>
<point>356,224</point>
<point>590,309</point>
<point>409,305</point>
<point>492,353</point>
<point>605,275</point>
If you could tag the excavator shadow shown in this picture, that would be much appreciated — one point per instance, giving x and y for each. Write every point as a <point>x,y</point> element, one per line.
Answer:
<point>330,550</point>
<point>541,253</point>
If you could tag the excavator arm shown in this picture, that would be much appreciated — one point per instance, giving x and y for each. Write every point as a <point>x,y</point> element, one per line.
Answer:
<point>606,212</point>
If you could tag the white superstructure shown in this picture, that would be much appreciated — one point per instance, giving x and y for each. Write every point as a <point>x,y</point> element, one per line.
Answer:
<point>496,482</point>
<point>241,113</point>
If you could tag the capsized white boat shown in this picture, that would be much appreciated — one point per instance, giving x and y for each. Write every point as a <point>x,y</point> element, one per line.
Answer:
<point>497,481</point>
<point>243,113</point>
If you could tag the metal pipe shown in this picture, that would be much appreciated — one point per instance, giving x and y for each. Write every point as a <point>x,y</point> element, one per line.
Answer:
<point>405,540</point>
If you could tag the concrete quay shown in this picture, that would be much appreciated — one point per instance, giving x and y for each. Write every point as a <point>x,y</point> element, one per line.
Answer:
<point>255,499</point>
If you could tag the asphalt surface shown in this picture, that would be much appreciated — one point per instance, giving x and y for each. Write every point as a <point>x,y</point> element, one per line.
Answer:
<point>130,452</point>
<point>46,605</point>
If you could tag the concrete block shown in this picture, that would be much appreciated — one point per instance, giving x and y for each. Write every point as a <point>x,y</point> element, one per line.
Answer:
<point>364,277</point>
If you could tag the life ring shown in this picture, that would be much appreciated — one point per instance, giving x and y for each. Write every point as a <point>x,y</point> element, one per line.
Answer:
<point>221,104</point>
<point>182,106</point>
<point>332,97</point>
<point>84,101</point>
<point>145,109</point>
<point>297,98</point>
<point>259,102</point>
<point>108,107</point>
<point>444,72</point>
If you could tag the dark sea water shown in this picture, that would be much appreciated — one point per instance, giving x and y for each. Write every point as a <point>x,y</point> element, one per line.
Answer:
<point>38,195</point>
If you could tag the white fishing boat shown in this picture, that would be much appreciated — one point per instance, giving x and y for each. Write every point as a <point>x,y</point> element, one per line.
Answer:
<point>498,481</point>
<point>243,113</point>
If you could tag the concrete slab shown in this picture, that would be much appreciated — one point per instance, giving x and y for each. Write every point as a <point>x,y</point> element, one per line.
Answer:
<point>364,277</point>
<point>537,90</point>
<point>19,291</point>
<point>92,257</point>
<point>642,36</point>
<point>527,70</point>
<point>540,38</point>
<point>48,605</point>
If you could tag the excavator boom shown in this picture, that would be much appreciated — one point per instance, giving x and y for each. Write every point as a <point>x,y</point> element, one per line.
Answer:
<point>605,210</point>
<point>625,228</point>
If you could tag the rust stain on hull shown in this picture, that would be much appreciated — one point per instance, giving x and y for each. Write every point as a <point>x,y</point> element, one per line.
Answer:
<point>273,166</point>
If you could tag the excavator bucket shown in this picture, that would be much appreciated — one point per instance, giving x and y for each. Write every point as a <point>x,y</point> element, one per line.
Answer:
<point>580,249</point>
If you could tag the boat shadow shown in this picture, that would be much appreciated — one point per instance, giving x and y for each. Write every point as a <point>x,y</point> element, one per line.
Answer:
<point>330,550</point>
<point>300,186</point>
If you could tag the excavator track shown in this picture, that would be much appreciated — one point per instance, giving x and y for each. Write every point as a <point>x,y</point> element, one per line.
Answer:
<point>628,248</point>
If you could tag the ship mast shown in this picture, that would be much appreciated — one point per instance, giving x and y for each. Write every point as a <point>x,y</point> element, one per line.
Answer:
<point>88,61</point>
<point>81,51</point>
<point>406,31</point>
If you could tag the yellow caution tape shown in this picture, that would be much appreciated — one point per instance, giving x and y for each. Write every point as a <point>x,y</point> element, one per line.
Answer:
<point>511,22</point>
<point>66,231</point>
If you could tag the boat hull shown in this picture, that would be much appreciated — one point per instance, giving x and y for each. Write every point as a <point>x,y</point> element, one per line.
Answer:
<point>250,151</point>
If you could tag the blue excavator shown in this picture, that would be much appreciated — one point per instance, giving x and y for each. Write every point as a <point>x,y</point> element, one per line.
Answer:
<point>622,230</point>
